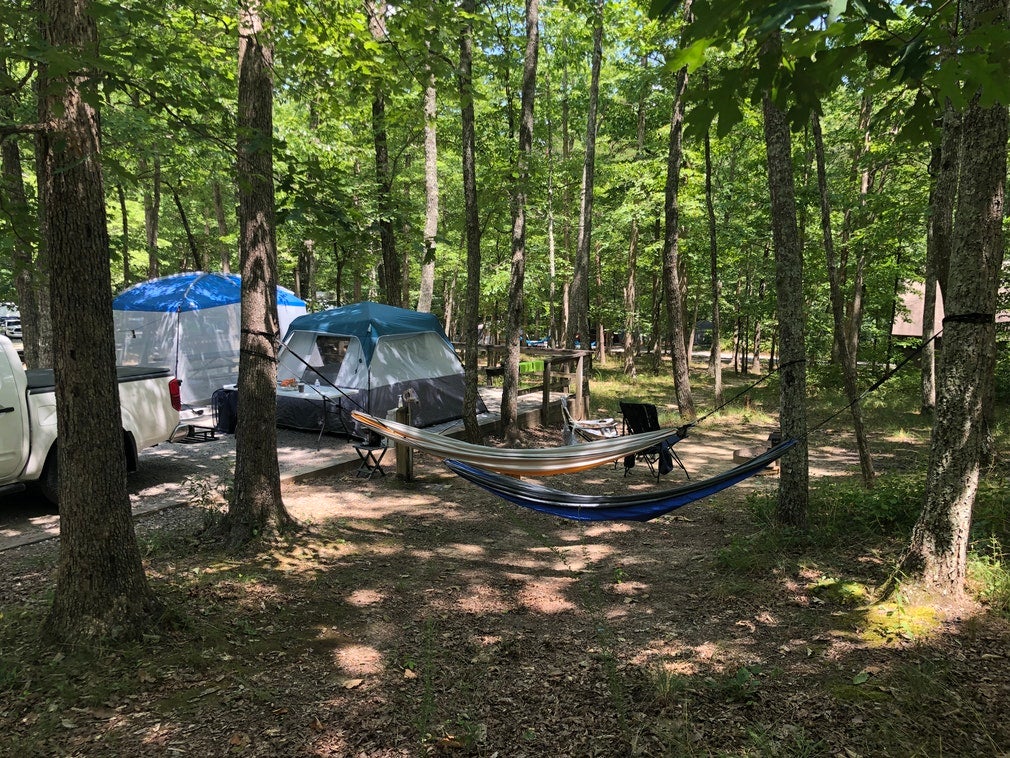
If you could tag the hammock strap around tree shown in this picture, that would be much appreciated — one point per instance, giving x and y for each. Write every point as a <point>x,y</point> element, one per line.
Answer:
<point>629,507</point>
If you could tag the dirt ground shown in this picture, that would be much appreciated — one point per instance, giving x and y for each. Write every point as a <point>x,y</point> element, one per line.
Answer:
<point>431,618</point>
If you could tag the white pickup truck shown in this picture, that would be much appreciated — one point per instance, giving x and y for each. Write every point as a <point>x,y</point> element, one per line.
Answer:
<point>149,397</point>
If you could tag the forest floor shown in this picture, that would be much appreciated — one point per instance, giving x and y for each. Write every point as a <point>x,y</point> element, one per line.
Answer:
<point>431,618</point>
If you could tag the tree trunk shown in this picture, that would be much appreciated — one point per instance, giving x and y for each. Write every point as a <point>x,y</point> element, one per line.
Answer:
<point>152,210</point>
<point>937,553</point>
<point>578,322</point>
<point>793,480</point>
<point>306,270</point>
<point>101,591</point>
<point>125,221</point>
<point>715,356</point>
<point>672,286</point>
<point>471,316</point>
<point>222,230</point>
<point>555,334</point>
<point>516,305</point>
<point>843,344</point>
<point>391,268</point>
<point>199,263</point>
<point>256,508</point>
<point>427,285</point>
<point>30,280</point>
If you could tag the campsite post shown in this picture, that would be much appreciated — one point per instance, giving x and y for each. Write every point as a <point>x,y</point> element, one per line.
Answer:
<point>404,453</point>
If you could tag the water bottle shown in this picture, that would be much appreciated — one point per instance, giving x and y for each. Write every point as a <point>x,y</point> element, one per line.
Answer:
<point>317,384</point>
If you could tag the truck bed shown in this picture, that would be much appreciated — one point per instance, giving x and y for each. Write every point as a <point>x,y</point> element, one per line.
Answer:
<point>41,379</point>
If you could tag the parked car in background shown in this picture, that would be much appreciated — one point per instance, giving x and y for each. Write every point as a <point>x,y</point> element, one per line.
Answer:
<point>12,327</point>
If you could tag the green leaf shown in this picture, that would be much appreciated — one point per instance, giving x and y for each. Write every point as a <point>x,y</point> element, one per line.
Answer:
<point>860,678</point>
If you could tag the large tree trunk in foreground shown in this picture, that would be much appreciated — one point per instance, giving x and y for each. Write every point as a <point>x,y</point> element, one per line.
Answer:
<point>256,508</point>
<point>793,481</point>
<point>516,305</point>
<point>101,591</point>
<point>937,553</point>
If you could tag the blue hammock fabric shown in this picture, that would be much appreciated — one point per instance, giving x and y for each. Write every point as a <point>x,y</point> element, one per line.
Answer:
<point>631,507</point>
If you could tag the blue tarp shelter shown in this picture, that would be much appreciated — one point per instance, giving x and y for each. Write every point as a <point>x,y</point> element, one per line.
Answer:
<point>190,323</point>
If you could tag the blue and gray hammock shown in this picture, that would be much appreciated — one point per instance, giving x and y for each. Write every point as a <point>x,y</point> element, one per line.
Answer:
<point>628,507</point>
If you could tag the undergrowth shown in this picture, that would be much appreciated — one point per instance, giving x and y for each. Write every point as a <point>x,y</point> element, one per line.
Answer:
<point>843,514</point>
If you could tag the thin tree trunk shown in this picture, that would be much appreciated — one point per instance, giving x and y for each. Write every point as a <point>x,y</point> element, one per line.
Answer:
<point>30,281</point>
<point>672,285</point>
<point>516,307</point>
<point>152,211</point>
<point>844,345</point>
<point>715,356</point>
<point>578,323</point>
<point>553,330</point>
<point>199,263</point>
<point>256,508</point>
<point>793,480</point>
<point>629,342</point>
<point>222,230</point>
<point>101,591</point>
<point>392,285</point>
<point>125,221</point>
<point>471,223</point>
<point>427,284</point>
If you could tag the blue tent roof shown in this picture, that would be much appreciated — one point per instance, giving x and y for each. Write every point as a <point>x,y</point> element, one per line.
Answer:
<point>190,291</point>
<point>368,322</point>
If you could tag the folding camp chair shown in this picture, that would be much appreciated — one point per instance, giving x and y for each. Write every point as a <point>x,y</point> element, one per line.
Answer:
<point>644,417</point>
<point>586,430</point>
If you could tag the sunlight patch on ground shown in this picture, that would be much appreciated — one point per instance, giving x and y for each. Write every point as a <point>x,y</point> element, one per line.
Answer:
<point>364,598</point>
<point>596,531</point>
<point>572,558</point>
<point>547,595</point>
<point>461,550</point>
<point>480,598</point>
<point>359,660</point>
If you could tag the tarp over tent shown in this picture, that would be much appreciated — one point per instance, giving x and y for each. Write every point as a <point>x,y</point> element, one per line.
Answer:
<point>190,323</point>
<point>364,356</point>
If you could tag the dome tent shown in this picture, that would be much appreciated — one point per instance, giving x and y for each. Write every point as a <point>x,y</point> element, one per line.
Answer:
<point>366,355</point>
<point>191,323</point>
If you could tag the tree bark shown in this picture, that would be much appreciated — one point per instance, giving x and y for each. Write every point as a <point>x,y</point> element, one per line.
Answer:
<point>793,480</point>
<point>101,591</point>
<point>516,305</point>
<point>844,345</point>
<point>578,322</point>
<point>715,355</point>
<point>672,285</point>
<point>937,553</point>
<point>222,230</point>
<point>391,266</point>
<point>256,508</point>
<point>152,210</point>
<point>30,281</point>
<point>427,284</point>
<point>199,262</point>
<point>471,315</point>
<point>125,222</point>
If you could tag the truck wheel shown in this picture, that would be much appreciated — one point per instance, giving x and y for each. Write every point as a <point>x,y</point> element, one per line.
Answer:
<point>49,482</point>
